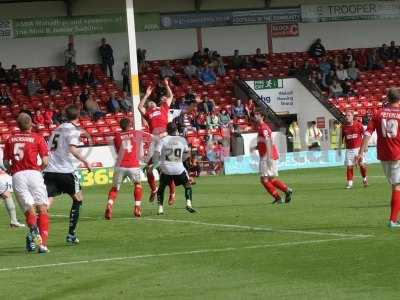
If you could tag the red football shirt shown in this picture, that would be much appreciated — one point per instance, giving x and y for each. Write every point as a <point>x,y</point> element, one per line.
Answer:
<point>22,149</point>
<point>352,135</point>
<point>264,132</point>
<point>129,147</point>
<point>386,123</point>
<point>158,118</point>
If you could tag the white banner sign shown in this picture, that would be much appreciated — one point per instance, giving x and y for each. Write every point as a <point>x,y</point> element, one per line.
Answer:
<point>371,10</point>
<point>6,29</point>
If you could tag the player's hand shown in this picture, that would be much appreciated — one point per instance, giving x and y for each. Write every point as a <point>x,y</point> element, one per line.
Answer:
<point>166,82</point>
<point>87,166</point>
<point>149,90</point>
<point>269,162</point>
<point>359,160</point>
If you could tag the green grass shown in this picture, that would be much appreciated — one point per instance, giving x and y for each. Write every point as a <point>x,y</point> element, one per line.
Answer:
<point>160,260</point>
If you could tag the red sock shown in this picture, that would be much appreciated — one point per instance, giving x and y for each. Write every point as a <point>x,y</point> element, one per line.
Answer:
<point>151,180</point>
<point>363,171</point>
<point>138,194</point>
<point>172,187</point>
<point>43,223</point>
<point>395,205</point>
<point>279,185</point>
<point>30,219</point>
<point>350,173</point>
<point>269,187</point>
<point>112,195</point>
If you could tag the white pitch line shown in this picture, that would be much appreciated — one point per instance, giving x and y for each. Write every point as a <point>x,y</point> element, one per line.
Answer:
<point>320,233</point>
<point>181,253</point>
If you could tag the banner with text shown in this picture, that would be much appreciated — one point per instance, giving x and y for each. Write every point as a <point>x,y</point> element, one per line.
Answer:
<point>285,30</point>
<point>371,10</point>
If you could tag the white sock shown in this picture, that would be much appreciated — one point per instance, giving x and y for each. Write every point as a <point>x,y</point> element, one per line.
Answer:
<point>365,178</point>
<point>189,203</point>
<point>138,203</point>
<point>350,182</point>
<point>10,206</point>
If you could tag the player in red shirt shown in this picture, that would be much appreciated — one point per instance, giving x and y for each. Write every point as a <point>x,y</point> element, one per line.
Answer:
<point>352,134</point>
<point>269,162</point>
<point>386,122</point>
<point>128,146</point>
<point>21,159</point>
<point>157,119</point>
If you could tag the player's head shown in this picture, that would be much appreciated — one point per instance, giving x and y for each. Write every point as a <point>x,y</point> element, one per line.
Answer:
<point>349,116</point>
<point>171,129</point>
<point>72,112</point>
<point>259,116</point>
<point>24,122</point>
<point>124,124</point>
<point>393,96</point>
<point>151,105</point>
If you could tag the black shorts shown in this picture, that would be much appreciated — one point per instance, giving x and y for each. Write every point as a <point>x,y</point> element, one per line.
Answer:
<point>61,183</point>
<point>182,179</point>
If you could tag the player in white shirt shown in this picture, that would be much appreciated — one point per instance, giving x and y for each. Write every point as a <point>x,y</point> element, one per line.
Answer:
<point>170,154</point>
<point>5,194</point>
<point>61,174</point>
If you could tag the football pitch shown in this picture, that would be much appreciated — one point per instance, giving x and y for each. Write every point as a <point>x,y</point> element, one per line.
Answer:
<point>329,243</point>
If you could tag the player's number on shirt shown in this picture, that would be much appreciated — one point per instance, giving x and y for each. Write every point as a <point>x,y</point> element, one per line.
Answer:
<point>173,155</point>
<point>127,145</point>
<point>390,128</point>
<point>54,142</point>
<point>19,151</point>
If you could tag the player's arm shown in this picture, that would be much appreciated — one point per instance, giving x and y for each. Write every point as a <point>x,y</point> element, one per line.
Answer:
<point>340,142</point>
<point>364,145</point>
<point>7,158</point>
<point>76,153</point>
<point>268,144</point>
<point>142,102</point>
<point>170,95</point>
<point>45,162</point>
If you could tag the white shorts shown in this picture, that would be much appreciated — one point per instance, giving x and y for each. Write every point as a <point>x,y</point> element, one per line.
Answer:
<point>268,171</point>
<point>5,183</point>
<point>121,173</point>
<point>29,188</point>
<point>350,157</point>
<point>392,171</point>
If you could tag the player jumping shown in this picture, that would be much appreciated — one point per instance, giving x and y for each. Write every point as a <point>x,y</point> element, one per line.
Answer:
<point>386,123</point>
<point>352,134</point>
<point>269,156</point>
<point>61,176</point>
<point>21,154</point>
<point>128,146</point>
<point>157,119</point>
<point>170,153</point>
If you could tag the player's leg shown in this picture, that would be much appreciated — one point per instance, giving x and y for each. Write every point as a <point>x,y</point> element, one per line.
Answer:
<point>151,180</point>
<point>266,180</point>
<point>113,192</point>
<point>363,172</point>
<point>43,225</point>
<point>134,176</point>
<point>392,172</point>
<point>73,188</point>
<point>172,193</point>
<point>279,184</point>
<point>184,180</point>
<point>11,210</point>
<point>164,180</point>
<point>349,164</point>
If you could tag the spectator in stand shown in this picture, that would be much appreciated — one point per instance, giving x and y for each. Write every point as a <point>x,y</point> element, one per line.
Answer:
<point>393,51</point>
<point>220,66</point>
<point>126,78</point>
<point>167,72</point>
<point>33,85</point>
<point>126,102</point>
<point>305,70</point>
<point>190,97</point>
<point>70,56</point>
<point>259,60</point>
<point>25,109</point>
<point>113,105</point>
<point>347,88</point>
<point>5,97</point>
<point>384,53</point>
<point>373,61</point>
<point>84,96</point>
<point>250,109</point>
<point>353,71</point>
<point>361,59</point>
<point>208,105</point>
<point>3,74</point>
<point>13,75</point>
<point>237,60</point>
<point>327,79</point>
<point>107,57</point>
<point>88,78</point>
<point>212,121</point>
<point>49,115</point>
<point>190,70</point>
<point>207,76</point>
<point>313,137</point>
<point>197,59</point>
<point>201,121</point>
<point>141,59</point>
<point>38,119</point>
<point>238,110</point>
<point>224,119</point>
<point>53,85</point>
<point>73,77</point>
<point>325,67</point>
<point>348,58</point>
<point>317,50</point>
<point>336,89</point>
<point>341,73</point>
<point>93,109</point>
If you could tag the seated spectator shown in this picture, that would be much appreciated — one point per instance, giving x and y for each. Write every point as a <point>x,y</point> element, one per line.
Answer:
<point>317,49</point>
<point>89,78</point>
<point>5,97</point>
<point>327,79</point>
<point>38,119</point>
<point>336,89</point>
<point>208,105</point>
<point>26,110</point>
<point>113,104</point>
<point>220,66</point>
<point>212,121</point>
<point>237,61</point>
<point>347,88</point>
<point>305,70</point>
<point>384,53</point>
<point>348,58</point>
<point>49,115</point>
<point>167,72</point>
<point>201,121</point>
<point>353,71</point>
<point>325,67</point>
<point>126,78</point>
<point>207,76</point>
<point>190,97</point>
<point>13,75</point>
<point>73,77</point>
<point>53,85</point>
<point>93,109</point>
<point>197,60</point>
<point>259,59</point>
<point>84,96</point>
<point>224,119</point>
<point>33,85</point>
<point>361,59</point>
<point>70,56</point>
<point>247,63</point>
<point>250,109</point>
<point>238,110</point>
<point>393,51</point>
<point>3,74</point>
<point>126,102</point>
<point>190,70</point>
<point>341,73</point>
<point>373,61</point>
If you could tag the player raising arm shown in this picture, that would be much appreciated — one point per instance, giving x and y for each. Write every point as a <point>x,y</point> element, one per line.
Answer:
<point>386,123</point>
<point>61,175</point>
<point>21,159</point>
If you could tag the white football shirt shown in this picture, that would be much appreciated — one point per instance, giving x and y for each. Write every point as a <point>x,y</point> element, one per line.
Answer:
<point>60,159</point>
<point>172,150</point>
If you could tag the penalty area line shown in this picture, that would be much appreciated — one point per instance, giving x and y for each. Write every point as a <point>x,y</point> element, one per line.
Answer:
<point>178,253</point>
